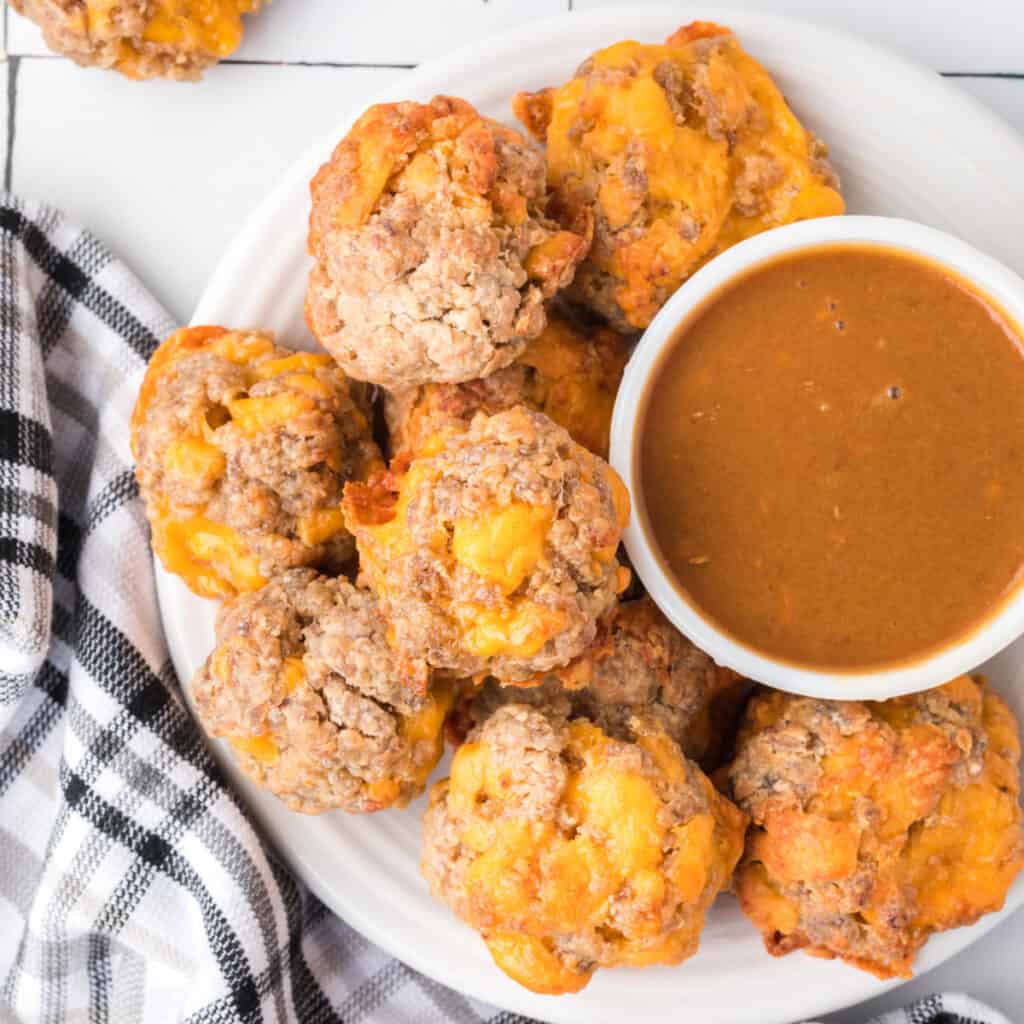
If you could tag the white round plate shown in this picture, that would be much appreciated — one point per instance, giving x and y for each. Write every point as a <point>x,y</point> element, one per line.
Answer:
<point>906,144</point>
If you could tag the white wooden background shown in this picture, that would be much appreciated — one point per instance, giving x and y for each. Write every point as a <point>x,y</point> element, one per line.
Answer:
<point>165,173</point>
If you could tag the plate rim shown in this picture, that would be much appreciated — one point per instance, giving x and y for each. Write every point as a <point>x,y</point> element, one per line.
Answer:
<point>983,121</point>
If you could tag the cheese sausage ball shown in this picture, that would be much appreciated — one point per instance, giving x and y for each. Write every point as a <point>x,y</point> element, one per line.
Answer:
<point>305,688</point>
<point>142,38</point>
<point>640,664</point>
<point>875,825</point>
<point>242,449</point>
<point>671,154</point>
<point>433,251</point>
<point>569,374</point>
<point>568,850</point>
<point>493,550</point>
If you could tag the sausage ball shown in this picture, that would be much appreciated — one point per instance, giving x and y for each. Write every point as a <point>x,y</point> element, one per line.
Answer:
<point>493,550</point>
<point>142,38</point>
<point>433,251</point>
<point>640,664</point>
<point>875,825</point>
<point>242,449</point>
<point>670,154</point>
<point>569,850</point>
<point>303,685</point>
<point>569,374</point>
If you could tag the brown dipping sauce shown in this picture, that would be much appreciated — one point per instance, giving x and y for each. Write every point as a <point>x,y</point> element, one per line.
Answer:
<point>832,458</point>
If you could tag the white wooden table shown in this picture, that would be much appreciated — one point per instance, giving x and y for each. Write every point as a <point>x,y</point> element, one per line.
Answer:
<point>165,173</point>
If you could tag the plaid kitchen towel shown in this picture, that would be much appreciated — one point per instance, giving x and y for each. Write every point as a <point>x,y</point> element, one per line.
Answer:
<point>133,887</point>
<point>947,1008</point>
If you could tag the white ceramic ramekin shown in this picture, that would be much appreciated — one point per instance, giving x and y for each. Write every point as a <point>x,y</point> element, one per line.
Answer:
<point>990,278</point>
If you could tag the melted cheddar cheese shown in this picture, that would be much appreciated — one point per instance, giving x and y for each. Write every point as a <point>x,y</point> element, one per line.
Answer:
<point>379,510</point>
<point>424,728</point>
<point>575,380</point>
<point>195,462</point>
<point>570,375</point>
<point>502,544</point>
<point>532,881</point>
<point>259,748</point>
<point>214,559</point>
<point>320,526</point>
<point>237,346</point>
<point>940,849</point>
<point>963,862</point>
<point>262,746</point>
<point>206,26</point>
<point>253,415</point>
<point>427,725</point>
<point>293,674</point>
<point>299,362</point>
<point>519,628</point>
<point>487,543</point>
<point>174,347</point>
<point>188,34</point>
<point>420,149</point>
<point>620,496</point>
<point>677,151</point>
<point>422,731</point>
<point>203,29</point>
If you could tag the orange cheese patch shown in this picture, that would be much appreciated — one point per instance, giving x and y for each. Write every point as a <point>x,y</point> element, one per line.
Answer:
<point>195,462</point>
<point>533,880</point>
<point>319,526</point>
<point>944,848</point>
<point>214,559</point>
<point>673,186</point>
<point>210,556</point>
<point>300,362</point>
<point>519,630</point>
<point>503,545</point>
<point>265,412</point>
<point>261,748</point>
<point>204,26</point>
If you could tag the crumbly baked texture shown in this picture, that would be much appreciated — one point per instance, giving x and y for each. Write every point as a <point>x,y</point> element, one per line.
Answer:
<point>433,250</point>
<point>639,665</point>
<point>569,850</point>
<point>303,685</point>
<point>670,154</point>
<point>176,39</point>
<point>493,549</point>
<point>242,449</point>
<point>570,374</point>
<point>875,825</point>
